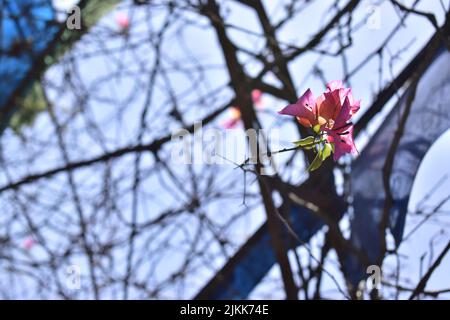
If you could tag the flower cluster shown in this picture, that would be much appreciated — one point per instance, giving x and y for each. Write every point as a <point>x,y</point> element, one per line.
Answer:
<point>329,117</point>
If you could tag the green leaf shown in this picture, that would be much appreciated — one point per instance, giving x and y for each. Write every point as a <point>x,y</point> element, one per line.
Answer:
<point>327,149</point>
<point>317,162</point>
<point>308,141</point>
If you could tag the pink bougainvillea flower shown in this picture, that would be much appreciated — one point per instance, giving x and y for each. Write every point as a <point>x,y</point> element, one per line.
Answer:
<point>123,21</point>
<point>330,114</point>
<point>28,243</point>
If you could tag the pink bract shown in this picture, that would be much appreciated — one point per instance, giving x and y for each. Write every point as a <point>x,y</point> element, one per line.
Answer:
<point>332,111</point>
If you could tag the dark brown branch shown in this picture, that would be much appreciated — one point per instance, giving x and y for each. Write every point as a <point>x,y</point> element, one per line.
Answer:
<point>423,282</point>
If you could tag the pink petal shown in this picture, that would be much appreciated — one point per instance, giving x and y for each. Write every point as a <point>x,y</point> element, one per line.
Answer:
<point>354,104</point>
<point>320,99</point>
<point>307,99</point>
<point>303,107</point>
<point>342,132</point>
<point>343,116</point>
<point>334,85</point>
<point>291,110</point>
<point>343,142</point>
<point>331,105</point>
<point>344,93</point>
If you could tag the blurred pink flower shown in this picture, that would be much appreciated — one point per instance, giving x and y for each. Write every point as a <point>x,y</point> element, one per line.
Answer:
<point>28,243</point>
<point>257,98</point>
<point>123,21</point>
